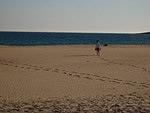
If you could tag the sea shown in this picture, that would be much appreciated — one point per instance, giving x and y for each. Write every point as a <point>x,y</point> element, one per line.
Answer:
<point>63,38</point>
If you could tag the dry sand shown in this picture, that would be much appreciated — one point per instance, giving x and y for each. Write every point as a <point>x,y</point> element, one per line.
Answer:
<point>69,79</point>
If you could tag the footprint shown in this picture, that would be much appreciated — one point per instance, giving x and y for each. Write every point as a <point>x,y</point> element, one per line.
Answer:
<point>134,82</point>
<point>6,64</point>
<point>107,78</point>
<point>70,74</point>
<point>116,82</point>
<point>120,63</point>
<point>101,79</point>
<point>45,69</point>
<point>145,86</point>
<point>117,79</point>
<point>129,84</point>
<point>28,68</point>
<point>96,75</point>
<point>142,83</point>
<point>144,69</point>
<point>64,72</point>
<point>88,78</point>
<point>128,81</point>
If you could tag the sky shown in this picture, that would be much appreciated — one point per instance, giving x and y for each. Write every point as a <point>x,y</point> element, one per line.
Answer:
<point>102,16</point>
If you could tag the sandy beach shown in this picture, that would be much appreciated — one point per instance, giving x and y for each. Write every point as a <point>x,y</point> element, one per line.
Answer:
<point>73,79</point>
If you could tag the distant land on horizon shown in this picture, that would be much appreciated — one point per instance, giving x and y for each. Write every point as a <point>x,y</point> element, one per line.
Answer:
<point>145,33</point>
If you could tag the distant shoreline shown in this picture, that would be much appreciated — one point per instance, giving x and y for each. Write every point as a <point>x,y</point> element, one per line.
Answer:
<point>144,33</point>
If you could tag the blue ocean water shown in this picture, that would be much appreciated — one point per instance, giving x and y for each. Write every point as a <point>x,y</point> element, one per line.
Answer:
<point>45,38</point>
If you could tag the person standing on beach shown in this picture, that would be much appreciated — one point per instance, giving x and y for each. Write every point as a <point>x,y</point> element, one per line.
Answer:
<point>97,47</point>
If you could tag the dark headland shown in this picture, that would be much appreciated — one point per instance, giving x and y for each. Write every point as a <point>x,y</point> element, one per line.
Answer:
<point>145,33</point>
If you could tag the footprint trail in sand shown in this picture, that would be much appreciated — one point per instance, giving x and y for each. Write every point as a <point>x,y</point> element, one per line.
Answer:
<point>77,74</point>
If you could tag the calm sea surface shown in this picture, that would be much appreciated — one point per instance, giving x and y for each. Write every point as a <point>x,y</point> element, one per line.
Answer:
<point>42,38</point>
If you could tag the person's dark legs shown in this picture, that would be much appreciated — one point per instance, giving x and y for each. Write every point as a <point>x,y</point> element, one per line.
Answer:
<point>98,52</point>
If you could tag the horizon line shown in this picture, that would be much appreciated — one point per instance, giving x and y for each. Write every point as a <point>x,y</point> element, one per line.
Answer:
<point>73,32</point>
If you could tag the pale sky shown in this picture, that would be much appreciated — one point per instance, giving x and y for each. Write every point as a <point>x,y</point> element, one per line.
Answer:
<point>103,16</point>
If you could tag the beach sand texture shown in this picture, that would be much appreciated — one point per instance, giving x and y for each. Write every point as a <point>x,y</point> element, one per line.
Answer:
<point>72,79</point>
